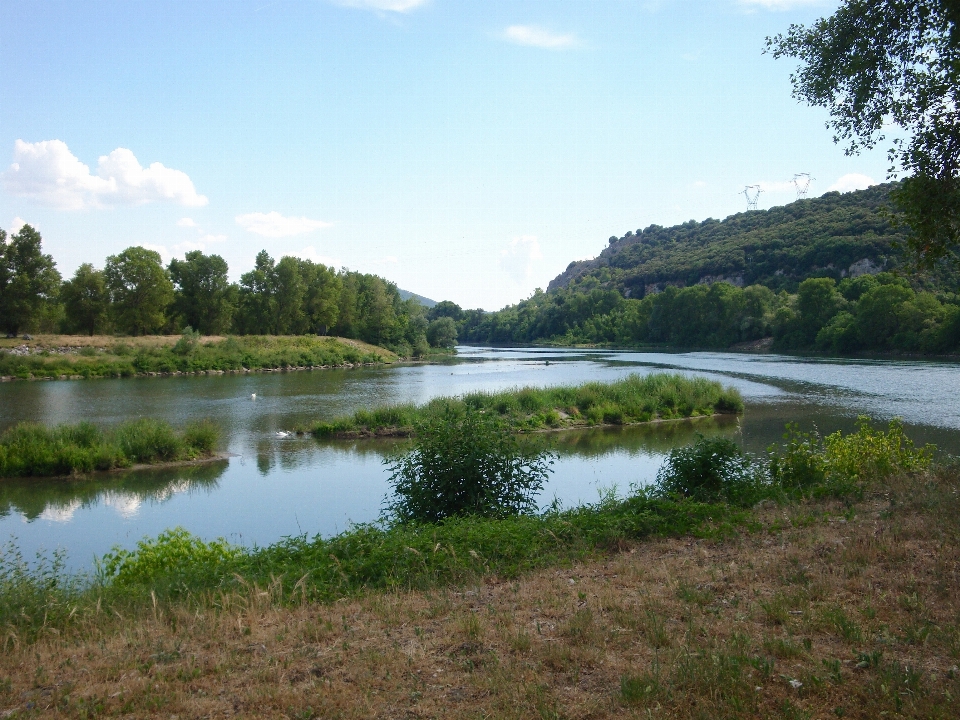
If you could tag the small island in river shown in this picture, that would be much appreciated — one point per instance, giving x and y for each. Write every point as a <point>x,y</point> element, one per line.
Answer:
<point>635,399</point>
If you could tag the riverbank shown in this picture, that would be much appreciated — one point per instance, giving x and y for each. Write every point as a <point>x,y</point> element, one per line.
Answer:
<point>831,606</point>
<point>633,400</point>
<point>31,450</point>
<point>61,357</point>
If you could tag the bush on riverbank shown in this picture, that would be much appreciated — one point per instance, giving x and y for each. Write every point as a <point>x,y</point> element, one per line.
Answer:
<point>634,399</point>
<point>189,354</point>
<point>32,450</point>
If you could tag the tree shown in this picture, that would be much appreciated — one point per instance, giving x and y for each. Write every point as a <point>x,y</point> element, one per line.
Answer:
<point>28,279</point>
<point>877,62</point>
<point>257,314</point>
<point>140,290</point>
<point>465,462</point>
<point>86,300</point>
<point>322,300</point>
<point>202,292</point>
<point>442,332</point>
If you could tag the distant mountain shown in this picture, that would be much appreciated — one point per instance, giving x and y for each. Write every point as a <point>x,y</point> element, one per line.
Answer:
<point>836,235</point>
<point>425,301</point>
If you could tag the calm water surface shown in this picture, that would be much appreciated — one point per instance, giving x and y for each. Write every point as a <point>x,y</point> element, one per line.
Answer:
<point>276,486</point>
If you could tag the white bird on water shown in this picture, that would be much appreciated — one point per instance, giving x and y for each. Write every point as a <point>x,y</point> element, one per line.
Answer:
<point>281,433</point>
<point>253,397</point>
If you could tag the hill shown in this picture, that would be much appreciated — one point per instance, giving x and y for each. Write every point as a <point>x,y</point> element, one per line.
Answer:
<point>824,274</point>
<point>836,235</point>
<point>425,301</point>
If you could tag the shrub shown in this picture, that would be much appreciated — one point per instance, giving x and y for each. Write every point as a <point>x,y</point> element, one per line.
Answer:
<point>465,462</point>
<point>840,464</point>
<point>712,470</point>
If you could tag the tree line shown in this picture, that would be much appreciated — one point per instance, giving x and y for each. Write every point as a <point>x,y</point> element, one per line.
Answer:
<point>135,294</point>
<point>870,313</point>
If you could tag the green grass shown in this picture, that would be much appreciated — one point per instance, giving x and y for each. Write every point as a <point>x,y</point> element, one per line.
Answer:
<point>32,450</point>
<point>251,352</point>
<point>180,567</point>
<point>635,399</point>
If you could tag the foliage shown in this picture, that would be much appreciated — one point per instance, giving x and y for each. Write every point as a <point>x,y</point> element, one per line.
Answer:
<point>203,296</point>
<point>86,300</point>
<point>844,463</point>
<point>32,450</point>
<point>890,62</point>
<point>712,470</point>
<point>442,332</point>
<point>634,399</point>
<point>465,462</point>
<point>191,355</point>
<point>28,279</point>
<point>140,290</point>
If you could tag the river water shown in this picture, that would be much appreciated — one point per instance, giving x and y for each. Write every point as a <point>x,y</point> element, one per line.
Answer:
<point>275,486</point>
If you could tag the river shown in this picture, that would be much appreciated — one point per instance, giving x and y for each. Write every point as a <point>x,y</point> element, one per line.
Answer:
<point>274,486</point>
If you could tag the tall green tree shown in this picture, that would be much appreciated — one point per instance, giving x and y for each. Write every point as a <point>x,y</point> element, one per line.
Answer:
<point>257,306</point>
<point>288,293</point>
<point>202,292</point>
<point>322,296</point>
<point>86,300</point>
<point>29,280</point>
<point>140,290</point>
<point>874,63</point>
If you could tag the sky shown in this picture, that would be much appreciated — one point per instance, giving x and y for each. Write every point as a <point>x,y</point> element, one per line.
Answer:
<point>467,150</point>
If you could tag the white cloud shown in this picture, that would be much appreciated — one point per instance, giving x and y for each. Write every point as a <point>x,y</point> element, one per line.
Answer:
<point>186,222</point>
<point>52,175</point>
<point>15,225</point>
<point>310,253</point>
<point>187,246</point>
<point>851,182</point>
<point>778,4</point>
<point>275,225</point>
<point>400,6</point>
<point>519,258</point>
<point>213,239</point>
<point>534,36</point>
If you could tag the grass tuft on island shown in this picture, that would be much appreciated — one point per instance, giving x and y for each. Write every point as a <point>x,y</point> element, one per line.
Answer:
<point>635,399</point>
<point>75,357</point>
<point>32,450</point>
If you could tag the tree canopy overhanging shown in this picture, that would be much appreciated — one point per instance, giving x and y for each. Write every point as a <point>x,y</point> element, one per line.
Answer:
<point>877,65</point>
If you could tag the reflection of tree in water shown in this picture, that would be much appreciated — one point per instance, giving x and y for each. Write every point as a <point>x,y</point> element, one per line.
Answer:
<point>58,499</point>
<point>654,438</point>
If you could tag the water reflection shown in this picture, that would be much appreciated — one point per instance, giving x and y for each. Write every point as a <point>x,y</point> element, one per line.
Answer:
<point>59,500</point>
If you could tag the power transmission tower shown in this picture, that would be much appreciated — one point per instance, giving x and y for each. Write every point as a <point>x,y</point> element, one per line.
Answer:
<point>752,194</point>
<point>801,181</point>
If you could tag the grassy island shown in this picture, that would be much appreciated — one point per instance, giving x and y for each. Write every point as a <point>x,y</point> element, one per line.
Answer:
<point>32,450</point>
<point>635,399</point>
<point>75,357</point>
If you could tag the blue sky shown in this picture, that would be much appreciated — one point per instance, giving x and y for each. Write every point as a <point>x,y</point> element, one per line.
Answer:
<point>466,150</point>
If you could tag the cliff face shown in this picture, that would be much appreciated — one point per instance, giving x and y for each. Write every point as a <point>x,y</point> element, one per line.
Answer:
<point>834,236</point>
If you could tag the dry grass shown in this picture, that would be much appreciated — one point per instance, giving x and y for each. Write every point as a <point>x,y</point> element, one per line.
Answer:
<point>827,611</point>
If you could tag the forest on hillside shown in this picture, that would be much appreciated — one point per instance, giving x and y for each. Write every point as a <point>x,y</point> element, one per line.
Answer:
<point>777,248</point>
<point>827,274</point>
<point>135,294</point>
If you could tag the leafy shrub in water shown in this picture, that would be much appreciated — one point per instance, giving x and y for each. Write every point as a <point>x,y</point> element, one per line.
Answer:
<point>712,470</point>
<point>465,462</point>
<point>840,464</point>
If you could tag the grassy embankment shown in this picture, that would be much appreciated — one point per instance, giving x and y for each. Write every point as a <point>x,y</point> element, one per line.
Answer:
<point>57,356</point>
<point>836,599</point>
<point>635,399</point>
<point>31,450</point>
